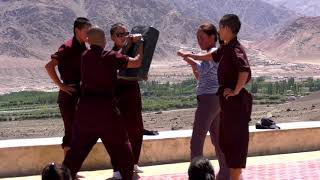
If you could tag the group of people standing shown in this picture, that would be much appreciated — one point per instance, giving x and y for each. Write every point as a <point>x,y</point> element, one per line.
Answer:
<point>95,103</point>
<point>224,105</point>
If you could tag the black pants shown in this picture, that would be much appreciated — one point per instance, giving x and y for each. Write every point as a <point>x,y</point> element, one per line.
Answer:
<point>67,105</point>
<point>234,128</point>
<point>96,118</point>
<point>130,106</point>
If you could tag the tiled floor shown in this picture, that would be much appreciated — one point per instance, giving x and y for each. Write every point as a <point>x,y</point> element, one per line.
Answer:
<point>295,166</point>
<point>303,170</point>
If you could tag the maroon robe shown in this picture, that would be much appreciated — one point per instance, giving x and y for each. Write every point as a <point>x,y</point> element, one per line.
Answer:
<point>97,115</point>
<point>69,63</point>
<point>129,101</point>
<point>236,110</point>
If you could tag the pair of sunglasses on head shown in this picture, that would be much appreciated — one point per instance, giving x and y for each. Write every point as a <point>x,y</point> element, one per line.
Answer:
<point>122,34</point>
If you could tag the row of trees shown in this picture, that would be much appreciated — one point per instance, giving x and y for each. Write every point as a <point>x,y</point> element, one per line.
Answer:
<point>284,87</point>
<point>156,97</point>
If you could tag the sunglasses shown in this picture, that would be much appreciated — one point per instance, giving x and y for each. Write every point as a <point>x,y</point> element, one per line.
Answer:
<point>122,34</point>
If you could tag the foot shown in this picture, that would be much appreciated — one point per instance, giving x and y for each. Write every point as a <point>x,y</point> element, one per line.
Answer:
<point>116,175</point>
<point>136,176</point>
<point>137,169</point>
<point>79,176</point>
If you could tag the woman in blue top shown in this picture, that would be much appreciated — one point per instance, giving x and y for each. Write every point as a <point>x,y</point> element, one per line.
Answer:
<point>207,115</point>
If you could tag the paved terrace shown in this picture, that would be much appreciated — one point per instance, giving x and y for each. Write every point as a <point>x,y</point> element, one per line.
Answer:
<point>289,153</point>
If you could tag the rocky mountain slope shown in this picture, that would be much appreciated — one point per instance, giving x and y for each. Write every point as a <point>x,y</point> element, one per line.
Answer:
<point>35,28</point>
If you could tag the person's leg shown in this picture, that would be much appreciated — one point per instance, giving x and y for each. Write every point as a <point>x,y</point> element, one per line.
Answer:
<point>134,123</point>
<point>224,173</point>
<point>201,125</point>
<point>80,148</point>
<point>130,106</point>
<point>114,164</point>
<point>235,173</point>
<point>117,145</point>
<point>135,134</point>
<point>67,106</point>
<point>234,131</point>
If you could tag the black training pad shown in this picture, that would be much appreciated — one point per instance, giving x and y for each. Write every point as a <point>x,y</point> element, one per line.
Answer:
<point>150,37</point>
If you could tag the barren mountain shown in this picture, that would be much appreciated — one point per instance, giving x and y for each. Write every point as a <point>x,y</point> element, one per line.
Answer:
<point>30,30</point>
<point>35,28</point>
<point>303,7</point>
<point>299,41</point>
<point>259,19</point>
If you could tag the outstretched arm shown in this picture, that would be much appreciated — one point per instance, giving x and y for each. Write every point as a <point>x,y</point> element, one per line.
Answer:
<point>197,57</point>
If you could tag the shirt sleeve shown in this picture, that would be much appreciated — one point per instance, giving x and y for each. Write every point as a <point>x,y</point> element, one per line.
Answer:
<point>60,54</point>
<point>241,60</point>
<point>217,55</point>
<point>121,61</point>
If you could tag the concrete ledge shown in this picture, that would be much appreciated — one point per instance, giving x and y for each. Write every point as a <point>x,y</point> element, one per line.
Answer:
<point>21,157</point>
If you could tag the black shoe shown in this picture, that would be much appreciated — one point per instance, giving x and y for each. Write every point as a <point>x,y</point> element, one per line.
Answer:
<point>268,123</point>
<point>150,133</point>
<point>260,126</point>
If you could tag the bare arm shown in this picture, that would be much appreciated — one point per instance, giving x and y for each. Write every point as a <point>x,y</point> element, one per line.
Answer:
<point>242,80</point>
<point>136,61</point>
<point>131,39</point>
<point>197,57</point>
<point>50,67</point>
<point>193,65</point>
<point>243,77</point>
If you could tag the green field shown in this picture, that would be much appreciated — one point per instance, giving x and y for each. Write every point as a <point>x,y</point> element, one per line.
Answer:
<point>156,97</point>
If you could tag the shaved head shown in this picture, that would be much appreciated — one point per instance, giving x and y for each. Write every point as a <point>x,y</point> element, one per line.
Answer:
<point>96,36</point>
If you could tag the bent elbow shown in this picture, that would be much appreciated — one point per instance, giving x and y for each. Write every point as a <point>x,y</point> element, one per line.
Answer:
<point>47,66</point>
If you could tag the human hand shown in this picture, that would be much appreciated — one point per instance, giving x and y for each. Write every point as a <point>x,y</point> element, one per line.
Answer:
<point>229,93</point>
<point>183,53</point>
<point>135,37</point>
<point>69,89</point>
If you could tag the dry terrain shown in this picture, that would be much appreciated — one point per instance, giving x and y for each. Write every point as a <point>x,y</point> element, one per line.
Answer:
<point>281,42</point>
<point>18,74</point>
<point>304,109</point>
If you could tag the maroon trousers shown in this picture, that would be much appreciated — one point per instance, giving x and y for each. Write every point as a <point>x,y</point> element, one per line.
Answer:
<point>234,128</point>
<point>96,117</point>
<point>67,105</point>
<point>130,106</point>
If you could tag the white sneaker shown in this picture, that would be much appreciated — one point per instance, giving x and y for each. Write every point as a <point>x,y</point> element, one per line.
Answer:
<point>137,169</point>
<point>117,175</point>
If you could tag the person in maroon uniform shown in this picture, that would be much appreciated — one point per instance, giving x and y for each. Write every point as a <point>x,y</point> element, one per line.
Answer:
<point>236,102</point>
<point>97,115</point>
<point>129,98</point>
<point>68,58</point>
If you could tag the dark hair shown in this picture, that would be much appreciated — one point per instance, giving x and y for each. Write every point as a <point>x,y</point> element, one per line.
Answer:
<point>231,21</point>
<point>80,23</point>
<point>56,172</point>
<point>209,29</point>
<point>115,26</point>
<point>221,42</point>
<point>201,169</point>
